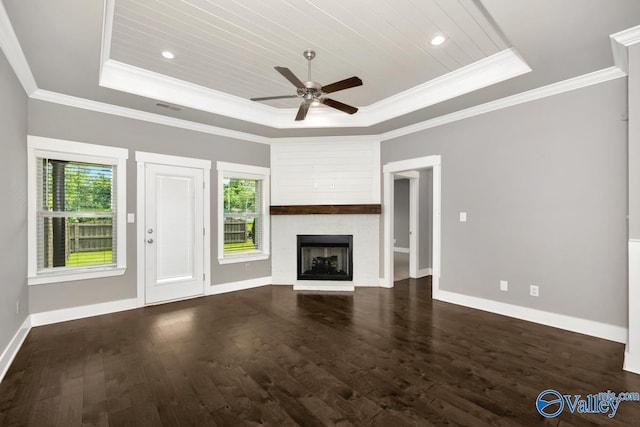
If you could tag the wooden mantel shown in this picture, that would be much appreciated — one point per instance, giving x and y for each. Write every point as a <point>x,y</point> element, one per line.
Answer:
<point>375,209</point>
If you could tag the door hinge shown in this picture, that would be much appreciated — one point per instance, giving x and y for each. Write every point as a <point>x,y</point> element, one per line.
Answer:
<point>204,231</point>
<point>203,277</point>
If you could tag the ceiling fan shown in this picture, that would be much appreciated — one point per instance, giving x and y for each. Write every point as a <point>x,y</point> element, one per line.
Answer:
<point>313,93</point>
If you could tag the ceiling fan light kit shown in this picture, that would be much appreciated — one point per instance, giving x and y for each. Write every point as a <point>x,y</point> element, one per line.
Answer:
<point>313,93</point>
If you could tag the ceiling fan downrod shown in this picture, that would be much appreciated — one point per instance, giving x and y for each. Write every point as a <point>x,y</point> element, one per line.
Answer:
<point>309,54</point>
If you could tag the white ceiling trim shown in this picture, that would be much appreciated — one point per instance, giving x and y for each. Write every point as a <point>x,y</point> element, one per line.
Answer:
<point>107,33</point>
<point>596,77</point>
<point>323,139</point>
<point>11,47</point>
<point>620,42</point>
<point>496,68</point>
<point>493,69</point>
<point>130,113</point>
<point>585,80</point>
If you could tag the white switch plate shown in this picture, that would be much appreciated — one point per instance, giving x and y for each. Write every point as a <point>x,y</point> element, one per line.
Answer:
<point>534,291</point>
<point>131,218</point>
<point>504,285</point>
<point>463,217</point>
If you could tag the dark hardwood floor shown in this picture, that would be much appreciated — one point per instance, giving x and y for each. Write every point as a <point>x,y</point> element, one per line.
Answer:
<point>385,357</point>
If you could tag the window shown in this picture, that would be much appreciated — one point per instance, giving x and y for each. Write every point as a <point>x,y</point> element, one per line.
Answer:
<point>76,210</point>
<point>243,213</point>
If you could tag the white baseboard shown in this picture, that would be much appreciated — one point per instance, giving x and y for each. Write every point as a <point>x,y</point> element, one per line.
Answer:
<point>238,286</point>
<point>372,284</point>
<point>632,355</point>
<point>631,362</point>
<point>13,347</point>
<point>324,288</point>
<point>573,324</point>
<point>402,250</point>
<point>383,283</point>
<point>73,313</point>
<point>424,272</point>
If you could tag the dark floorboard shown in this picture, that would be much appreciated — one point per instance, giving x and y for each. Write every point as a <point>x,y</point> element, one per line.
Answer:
<point>272,356</point>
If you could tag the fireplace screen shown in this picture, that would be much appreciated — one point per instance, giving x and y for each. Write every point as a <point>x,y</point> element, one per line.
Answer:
<point>325,257</point>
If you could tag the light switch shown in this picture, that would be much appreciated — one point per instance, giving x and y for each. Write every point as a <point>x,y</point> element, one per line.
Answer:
<point>131,218</point>
<point>463,217</point>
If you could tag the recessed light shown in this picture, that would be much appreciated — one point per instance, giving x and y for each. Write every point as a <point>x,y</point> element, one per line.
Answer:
<point>167,55</point>
<point>438,39</point>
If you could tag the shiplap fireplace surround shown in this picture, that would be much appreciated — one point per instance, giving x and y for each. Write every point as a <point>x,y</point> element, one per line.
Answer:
<point>326,188</point>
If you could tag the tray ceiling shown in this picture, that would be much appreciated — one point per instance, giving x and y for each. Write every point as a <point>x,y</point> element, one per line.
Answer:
<point>232,46</point>
<point>110,52</point>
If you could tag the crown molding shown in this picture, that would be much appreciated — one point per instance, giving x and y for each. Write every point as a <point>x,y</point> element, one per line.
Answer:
<point>130,113</point>
<point>585,80</point>
<point>11,47</point>
<point>107,32</point>
<point>318,118</point>
<point>138,81</point>
<point>590,79</point>
<point>493,69</point>
<point>323,139</point>
<point>619,45</point>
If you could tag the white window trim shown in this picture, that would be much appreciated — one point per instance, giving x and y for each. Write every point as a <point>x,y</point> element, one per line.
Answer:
<point>69,150</point>
<point>249,172</point>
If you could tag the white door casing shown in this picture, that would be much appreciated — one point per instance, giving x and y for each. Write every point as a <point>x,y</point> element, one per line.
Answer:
<point>173,222</point>
<point>403,166</point>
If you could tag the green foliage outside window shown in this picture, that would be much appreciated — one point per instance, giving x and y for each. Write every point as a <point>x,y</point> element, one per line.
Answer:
<point>240,195</point>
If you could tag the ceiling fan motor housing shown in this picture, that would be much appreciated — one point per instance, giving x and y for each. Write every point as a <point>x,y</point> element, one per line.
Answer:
<point>312,92</point>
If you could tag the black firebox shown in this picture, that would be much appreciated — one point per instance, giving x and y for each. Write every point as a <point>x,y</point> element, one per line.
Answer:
<point>325,257</point>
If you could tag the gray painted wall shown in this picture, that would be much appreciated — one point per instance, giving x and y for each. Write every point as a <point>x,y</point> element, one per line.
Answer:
<point>57,121</point>
<point>425,208</point>
<point>545,188</point>
<point>13,193</point>
<point>401,213</point>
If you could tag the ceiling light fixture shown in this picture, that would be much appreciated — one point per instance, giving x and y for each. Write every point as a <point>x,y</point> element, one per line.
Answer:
<point>438,39</point>
<point>167,55</point>
<point>315,103</point>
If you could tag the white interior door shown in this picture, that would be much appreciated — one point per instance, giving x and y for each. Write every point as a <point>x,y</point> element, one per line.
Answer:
<point>174,233</point>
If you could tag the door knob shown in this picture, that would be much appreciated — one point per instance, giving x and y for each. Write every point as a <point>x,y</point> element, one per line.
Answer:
<point>150,241</point>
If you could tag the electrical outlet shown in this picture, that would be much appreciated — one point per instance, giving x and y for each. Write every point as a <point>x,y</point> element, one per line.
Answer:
<point>534,290</point>
<point>246,266</point>
<point>504,285</point>
<point>463,217</point>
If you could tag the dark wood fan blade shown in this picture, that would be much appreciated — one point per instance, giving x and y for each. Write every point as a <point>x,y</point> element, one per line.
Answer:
<point>340,106</point>
<point>287,74</point>
<point>303,110</point>
<point>266,98</point>
<point>342,84</point>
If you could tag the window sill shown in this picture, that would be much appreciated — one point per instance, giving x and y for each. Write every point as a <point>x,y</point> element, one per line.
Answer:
<point>68,276</point>
<point>232,259</point>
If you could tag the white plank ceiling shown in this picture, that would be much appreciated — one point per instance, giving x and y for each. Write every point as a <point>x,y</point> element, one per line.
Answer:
<point>232,46</point>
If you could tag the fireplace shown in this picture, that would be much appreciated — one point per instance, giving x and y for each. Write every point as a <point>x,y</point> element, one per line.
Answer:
<point>325,257</point>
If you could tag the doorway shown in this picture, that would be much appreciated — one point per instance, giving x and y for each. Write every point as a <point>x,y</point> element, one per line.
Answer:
<point>173,219</point>
<point>389,171</point>
<point>406,225</point>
